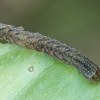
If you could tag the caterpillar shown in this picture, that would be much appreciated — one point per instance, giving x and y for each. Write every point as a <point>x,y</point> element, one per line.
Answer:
<point>52,47</point>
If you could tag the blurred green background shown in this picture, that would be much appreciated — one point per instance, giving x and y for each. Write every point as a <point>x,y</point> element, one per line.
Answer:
<point>74,22</point>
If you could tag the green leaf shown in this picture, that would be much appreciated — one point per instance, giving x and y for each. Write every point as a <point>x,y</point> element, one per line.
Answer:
<point>30,75</point>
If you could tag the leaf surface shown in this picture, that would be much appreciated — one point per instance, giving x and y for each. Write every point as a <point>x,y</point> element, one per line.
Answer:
<point>30,75</point>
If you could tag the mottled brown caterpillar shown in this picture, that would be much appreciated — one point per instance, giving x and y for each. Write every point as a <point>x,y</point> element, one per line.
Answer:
<point>52,47</point>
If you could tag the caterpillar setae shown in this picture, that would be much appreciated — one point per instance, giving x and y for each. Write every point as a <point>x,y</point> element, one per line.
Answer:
<point>52,47</point>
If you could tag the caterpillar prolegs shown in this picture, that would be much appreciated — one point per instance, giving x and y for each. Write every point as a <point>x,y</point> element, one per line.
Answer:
<point>52,47</point>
